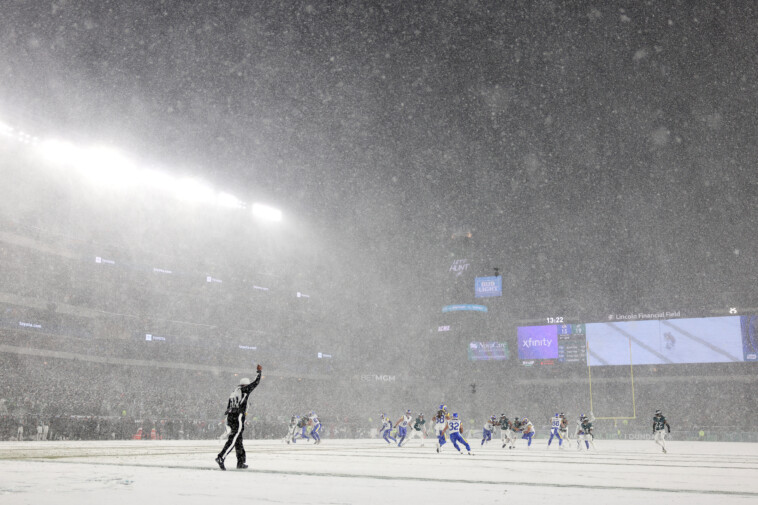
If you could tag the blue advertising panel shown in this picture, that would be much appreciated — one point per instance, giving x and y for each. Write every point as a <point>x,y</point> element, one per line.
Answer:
<point>456,308</point>
<point>488,286</point>
<point>538,342</point>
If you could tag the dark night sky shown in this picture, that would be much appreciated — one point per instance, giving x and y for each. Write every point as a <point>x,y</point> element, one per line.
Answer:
<point>599,154</point>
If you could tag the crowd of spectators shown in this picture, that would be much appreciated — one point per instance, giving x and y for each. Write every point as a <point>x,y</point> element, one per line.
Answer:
<point>122,307</point>
<point>80,399</point>
<point>117,377</point>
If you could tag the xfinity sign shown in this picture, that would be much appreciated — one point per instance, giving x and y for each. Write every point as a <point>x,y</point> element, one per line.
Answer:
<point>488,286</point>
<point>537,342</point>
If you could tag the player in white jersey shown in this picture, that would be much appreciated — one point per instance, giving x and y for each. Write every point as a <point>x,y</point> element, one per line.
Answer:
<point>454,429</point>
<point>555,430</point>
<point>290,437</point>
<point>487,429</point>
<point>402,427</point>
<point>439,431</point>
<point>315,427</point>
<point>527,429</point>
<point>386,430</point>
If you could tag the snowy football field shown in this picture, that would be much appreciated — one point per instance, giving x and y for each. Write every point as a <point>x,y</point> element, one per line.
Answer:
<point>369,471</point>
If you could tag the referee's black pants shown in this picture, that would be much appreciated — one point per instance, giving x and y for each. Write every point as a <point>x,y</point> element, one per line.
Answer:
<point>237,424</point>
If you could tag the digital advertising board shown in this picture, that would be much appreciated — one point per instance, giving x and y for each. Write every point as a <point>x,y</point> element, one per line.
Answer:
<point>726,339</point>
<point>488,351</point>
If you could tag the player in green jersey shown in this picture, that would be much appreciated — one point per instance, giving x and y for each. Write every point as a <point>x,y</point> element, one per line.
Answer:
<point>418,429</point>
<point>660,428</point>
<point>507,436</point>
<point>587,435</point>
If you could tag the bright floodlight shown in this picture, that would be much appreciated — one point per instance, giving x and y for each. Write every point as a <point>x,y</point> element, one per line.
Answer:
<point>59,152</point>
<point>156,179</point>
<point>101,165</point>
<point>107,166</point>
<point>229,201</point>
<point>266,213</point>
<point>6,130</point>
<point>110,167</point>
<point>194,191</point>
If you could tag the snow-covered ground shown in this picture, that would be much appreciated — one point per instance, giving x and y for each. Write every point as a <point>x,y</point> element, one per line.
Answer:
<point>369,471</point>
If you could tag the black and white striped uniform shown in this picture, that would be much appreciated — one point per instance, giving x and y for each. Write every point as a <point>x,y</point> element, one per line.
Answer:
<point>236,410</point>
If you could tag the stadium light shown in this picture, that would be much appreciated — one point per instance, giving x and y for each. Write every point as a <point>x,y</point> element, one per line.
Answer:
<point>266,213</point>
<point>6,129</point>
<point>229,201</point>
<point>57,151</point>
<point>194,191</point>
<point>107,166</point>
<point>110,167</point>
<point>156,179</point>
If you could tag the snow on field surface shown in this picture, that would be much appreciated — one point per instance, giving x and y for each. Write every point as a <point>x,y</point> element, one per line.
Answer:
<point>369,471</point>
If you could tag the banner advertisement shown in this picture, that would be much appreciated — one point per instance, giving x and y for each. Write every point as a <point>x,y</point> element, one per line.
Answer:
<point>488,286</point>
<point>459,266</point>
<point>538,342</point>
<point>488,351</point>
<point>456,308</point>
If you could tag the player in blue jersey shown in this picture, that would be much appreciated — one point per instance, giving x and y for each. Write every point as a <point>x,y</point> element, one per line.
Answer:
<point>315,427</point>
<point>555,430</point>
<point>487,429</point>
<point>402,427</point>
<point>386,429</point>
<point>454,429</point>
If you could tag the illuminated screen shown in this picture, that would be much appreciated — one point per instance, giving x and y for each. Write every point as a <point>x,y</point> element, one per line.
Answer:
<point>538,342</point>
<point>488,351</point>
<point>671,341</point>
<point>552,344</point>
<point>749,337</point>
